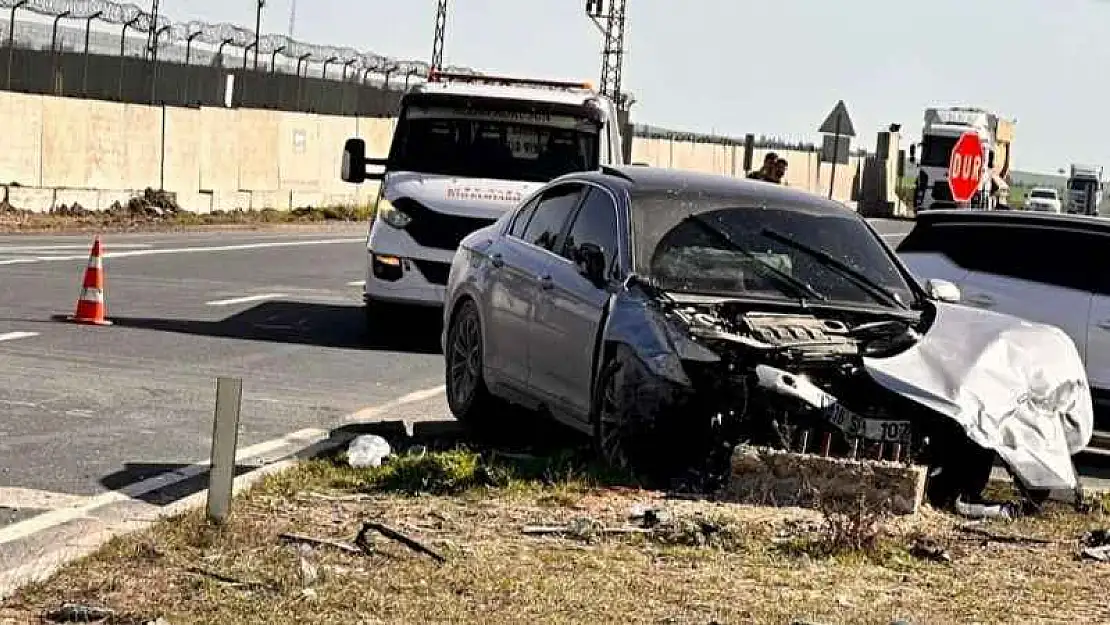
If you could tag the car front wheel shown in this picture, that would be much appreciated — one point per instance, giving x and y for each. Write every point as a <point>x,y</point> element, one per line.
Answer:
<point>467,395</point>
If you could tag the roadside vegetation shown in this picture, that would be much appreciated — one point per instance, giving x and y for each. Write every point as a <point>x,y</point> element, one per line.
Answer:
<point>156,211</point>
<point>466,537</point>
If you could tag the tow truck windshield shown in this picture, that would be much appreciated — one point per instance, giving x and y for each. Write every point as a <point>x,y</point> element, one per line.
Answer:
<point>533,147</point>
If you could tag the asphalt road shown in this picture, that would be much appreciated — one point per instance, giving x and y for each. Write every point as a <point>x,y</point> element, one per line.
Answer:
<point>93,409</point>
<point>89,409</point>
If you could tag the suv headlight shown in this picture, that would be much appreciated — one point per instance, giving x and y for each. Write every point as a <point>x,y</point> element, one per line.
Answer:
<point>392,215</point>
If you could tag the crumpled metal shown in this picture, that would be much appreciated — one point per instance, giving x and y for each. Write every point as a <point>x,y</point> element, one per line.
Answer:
<point>1016,387</point>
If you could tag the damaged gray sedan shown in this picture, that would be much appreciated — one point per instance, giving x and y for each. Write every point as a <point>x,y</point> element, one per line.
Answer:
<point>674,315</point>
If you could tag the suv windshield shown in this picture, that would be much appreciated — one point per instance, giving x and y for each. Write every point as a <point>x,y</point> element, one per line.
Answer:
<point>820,250</point>
<point>493,144</point>
<point>1043,194</point>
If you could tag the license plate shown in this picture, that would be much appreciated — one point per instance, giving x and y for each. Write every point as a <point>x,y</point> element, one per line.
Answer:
<point>855,425</point>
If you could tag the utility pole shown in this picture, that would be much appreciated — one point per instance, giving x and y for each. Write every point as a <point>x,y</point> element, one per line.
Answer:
<point>151,37</point>
<point>611,24</point>
<point>257,31</point>
<point>440,34</point>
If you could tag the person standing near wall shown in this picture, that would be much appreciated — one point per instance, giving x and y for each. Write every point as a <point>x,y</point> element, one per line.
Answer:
<point>767,170</point>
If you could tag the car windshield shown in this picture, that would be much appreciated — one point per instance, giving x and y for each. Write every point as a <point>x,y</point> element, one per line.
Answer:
<point>1043,194</point>
<point>533,147</point>
<point>835,256</point>
<point>936,150</point>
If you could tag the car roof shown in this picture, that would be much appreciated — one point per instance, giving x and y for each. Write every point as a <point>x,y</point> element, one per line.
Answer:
<point>740,191</point>
<point>1012,217</point>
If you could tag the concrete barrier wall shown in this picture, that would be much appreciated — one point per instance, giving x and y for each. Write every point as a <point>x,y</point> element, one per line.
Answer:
<point>64,150</point>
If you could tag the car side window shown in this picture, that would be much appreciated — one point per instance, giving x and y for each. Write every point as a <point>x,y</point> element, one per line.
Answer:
<point>1058,257</point>
<point>520,220</point>
<point>596,222</point>
<point>550,215</point>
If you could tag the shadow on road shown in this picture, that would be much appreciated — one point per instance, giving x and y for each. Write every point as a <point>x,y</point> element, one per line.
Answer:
<point>305,323</point>
<point>134,473</point>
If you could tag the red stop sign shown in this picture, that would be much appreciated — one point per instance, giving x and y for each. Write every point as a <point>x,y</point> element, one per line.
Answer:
<point>965,167</point>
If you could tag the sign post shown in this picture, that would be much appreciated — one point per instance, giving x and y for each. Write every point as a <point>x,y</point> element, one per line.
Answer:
<point>838,124</point>
<point>965,167</point>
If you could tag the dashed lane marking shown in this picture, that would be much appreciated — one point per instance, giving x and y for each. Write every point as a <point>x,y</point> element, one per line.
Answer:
<point>12,336</point>
<point>246,299</point>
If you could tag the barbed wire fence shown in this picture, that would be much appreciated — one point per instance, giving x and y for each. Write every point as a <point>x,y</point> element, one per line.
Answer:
<point>177,41</point>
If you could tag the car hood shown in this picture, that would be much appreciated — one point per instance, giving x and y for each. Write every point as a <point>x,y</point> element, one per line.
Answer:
<point>1016,387</point>
<point>466,197</point>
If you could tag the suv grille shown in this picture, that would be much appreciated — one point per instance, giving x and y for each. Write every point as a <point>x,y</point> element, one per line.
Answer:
<point>434,272</point>
<point>430,228</point>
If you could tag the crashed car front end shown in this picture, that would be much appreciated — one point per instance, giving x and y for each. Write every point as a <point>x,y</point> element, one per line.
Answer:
<point>853,383</point>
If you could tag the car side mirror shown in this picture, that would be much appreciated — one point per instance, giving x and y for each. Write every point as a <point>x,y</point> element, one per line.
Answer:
<point>943,290</point>
<point>590,259</point>
<point>355,163</point>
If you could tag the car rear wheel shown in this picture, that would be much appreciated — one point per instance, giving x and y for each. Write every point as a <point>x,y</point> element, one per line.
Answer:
<point>467,395</point>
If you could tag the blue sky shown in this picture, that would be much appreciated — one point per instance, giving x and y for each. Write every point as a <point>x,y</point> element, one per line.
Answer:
<point>772,67</point>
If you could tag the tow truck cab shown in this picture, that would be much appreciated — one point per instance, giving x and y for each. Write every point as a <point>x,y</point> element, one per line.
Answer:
<point>467,148</point>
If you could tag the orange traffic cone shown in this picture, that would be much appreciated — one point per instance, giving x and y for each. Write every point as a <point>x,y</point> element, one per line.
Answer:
<point>90,305</point>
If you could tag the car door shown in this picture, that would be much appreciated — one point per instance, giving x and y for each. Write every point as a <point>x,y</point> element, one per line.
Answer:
<point>1094,258</point>
<point>527,254</point>
<point>568,314</point>
<point>1029,272</point>
<point>509,302</point>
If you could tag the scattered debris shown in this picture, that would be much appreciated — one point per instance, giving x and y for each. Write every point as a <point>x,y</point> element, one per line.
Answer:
<point>582,528</point>
<point>338,498</point>
<point>1096,545</point>
<point>1010,539</point>
<point>1005,511</point>
<point>926,548</point>
<point>650,517</point>
<point>77,613</point>
<point>362,540</point>
<point>321,542</point>
<point>368,450</point>
<point>226,579</point>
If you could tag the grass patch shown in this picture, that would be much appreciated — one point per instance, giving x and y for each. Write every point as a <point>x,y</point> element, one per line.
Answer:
<point>701,562</point>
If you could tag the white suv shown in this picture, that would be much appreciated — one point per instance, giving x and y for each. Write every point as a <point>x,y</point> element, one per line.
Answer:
<point>1043,199</point>
<point>1044,268</point>
<point>466,149</point>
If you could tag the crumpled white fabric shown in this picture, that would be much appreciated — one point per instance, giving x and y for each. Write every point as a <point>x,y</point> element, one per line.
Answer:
<point>1017,387</point>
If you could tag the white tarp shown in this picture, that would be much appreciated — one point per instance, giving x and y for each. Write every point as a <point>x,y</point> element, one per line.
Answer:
<point>1017,387</point>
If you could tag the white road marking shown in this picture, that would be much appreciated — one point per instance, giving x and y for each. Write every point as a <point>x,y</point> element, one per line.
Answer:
<point>891,235</point>
<point>23,498</point>
<point>25,249</point>
<point>303,438</point>
<point>357,283</point>
<point>12,336</point>
<point>245,300</point>
<point>184,250</point>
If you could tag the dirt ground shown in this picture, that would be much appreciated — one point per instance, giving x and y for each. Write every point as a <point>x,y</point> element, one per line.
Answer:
<point>701,562</point>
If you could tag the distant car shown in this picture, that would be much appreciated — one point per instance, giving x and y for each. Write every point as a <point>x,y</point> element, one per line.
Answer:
<point>1044,268</point>
<point>672,315</point>
<point>1043,199</point>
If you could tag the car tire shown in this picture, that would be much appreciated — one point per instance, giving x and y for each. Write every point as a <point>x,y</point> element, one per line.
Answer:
<point>624,438</point>
<point>468,397</point>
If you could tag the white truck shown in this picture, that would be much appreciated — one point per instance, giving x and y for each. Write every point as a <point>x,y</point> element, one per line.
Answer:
<point>1085,189</point>
<point>943,127</point>
<point>465,150</point>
